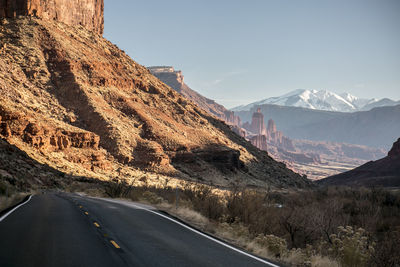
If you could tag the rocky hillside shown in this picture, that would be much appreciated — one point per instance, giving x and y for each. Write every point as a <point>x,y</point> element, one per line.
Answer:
<point>383,172</point>
<point>72,100</point>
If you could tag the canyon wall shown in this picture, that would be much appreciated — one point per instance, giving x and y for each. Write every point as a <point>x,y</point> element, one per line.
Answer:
<point>88,13</point>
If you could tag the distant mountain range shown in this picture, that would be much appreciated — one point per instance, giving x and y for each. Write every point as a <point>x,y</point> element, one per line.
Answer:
<point>322,100</point>
<point>375,128</point>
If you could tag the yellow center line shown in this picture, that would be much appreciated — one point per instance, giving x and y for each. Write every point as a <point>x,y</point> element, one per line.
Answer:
<point>114,244</point>
<point>96,224</point>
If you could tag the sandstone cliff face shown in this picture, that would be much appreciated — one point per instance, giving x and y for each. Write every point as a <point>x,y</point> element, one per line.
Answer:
<point>88,13</point>
<point>71,97</point>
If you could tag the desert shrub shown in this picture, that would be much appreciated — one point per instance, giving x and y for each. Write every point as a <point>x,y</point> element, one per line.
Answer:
<point>245,205</point>
<point>387,252</point>
<point>321,261</point>
<point>276,246</point>
<point>351,247</point>
<point>118,188</point>
<point>205,202</point>
<point>238,229</point>
<point>297,257</point>
<point>3,187</point>
<point>6,189</point>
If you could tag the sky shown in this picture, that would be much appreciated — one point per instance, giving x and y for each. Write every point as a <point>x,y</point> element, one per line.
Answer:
<point>237,52</point>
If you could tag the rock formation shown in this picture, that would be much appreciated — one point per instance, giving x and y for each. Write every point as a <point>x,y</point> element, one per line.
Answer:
<point>70,99</point>
<point>257,125</point>
<point>175,80</point>
<point>271,128</point>
<point>272,136</point>
<point>49,138</point>
<point>88,13</point>
<point>277,138</point>
<point>276,144</point>
<point>259,141</point>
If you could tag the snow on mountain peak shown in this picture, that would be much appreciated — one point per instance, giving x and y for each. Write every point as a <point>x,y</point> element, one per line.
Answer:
<point>321,100</point>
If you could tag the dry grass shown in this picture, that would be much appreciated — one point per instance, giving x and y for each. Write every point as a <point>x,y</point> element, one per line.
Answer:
<point>187,215</point>
<point>320,261</point>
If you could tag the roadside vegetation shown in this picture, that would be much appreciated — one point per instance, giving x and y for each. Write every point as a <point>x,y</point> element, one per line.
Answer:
<point>331,226</point>
<point>9,196</point>
<point>323,227</point>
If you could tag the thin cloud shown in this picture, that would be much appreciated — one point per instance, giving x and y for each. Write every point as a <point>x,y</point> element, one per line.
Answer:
<point>224,77</point>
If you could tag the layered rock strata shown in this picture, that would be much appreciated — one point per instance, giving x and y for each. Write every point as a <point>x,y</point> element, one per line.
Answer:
<point>88,13</point>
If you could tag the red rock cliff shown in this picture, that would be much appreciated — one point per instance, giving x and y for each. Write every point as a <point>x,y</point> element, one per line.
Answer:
<point>88,13</point>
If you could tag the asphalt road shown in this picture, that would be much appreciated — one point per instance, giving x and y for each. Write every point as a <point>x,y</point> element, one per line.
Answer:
<point>59,229</point>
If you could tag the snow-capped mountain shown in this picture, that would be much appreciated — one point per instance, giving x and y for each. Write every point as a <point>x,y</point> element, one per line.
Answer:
<point>322,100</point>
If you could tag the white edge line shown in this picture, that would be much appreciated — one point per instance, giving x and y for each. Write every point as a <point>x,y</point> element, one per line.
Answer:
<point>193,230</point>
<point>11,211</point>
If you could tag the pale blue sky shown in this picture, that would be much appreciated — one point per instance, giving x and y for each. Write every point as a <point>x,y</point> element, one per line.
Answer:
<point>237,52</point>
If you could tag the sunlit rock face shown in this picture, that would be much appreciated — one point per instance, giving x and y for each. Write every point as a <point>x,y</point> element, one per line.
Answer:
<point>88,13</point>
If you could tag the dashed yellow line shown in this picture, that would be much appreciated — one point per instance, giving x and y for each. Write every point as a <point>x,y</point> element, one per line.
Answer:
<point>114,244</point>
<point>96,224</point>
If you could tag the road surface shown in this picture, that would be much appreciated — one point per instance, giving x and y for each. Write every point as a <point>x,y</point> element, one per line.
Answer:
<point>60,229</point>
